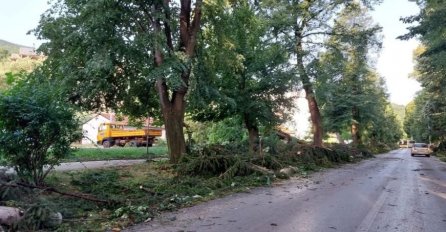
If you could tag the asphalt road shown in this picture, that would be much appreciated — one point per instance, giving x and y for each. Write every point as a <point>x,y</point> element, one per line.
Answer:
<point>393,192</point>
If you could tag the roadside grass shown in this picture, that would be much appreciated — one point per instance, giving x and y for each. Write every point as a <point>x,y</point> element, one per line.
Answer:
<point>135,193</point>
<point>140,192</point>
<point>92,154</point>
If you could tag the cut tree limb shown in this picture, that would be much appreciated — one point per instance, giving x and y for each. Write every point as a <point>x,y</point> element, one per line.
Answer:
<point>260,169</point>
<point>51,189</point>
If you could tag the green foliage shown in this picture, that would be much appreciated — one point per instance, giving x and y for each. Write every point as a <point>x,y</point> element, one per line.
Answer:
<point>142,190</point>
<point>213,160</point>
<point>103,58</point>
<point>227,131</point>
<point>137,213</point>
<point>418,124</point>
<point>223,162</point>
<point>94,183</point>
<point>351,94</point>
<point>427,115</point>
<point>302,27</point>
<point>36,128</point>
<point>38,216</point>
<point>400,112</point>
<point>242,72</point>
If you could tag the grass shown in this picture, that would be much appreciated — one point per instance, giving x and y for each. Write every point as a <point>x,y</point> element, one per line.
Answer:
<point>162,190</point>
<point>139,192</point>
<point>91,154</point>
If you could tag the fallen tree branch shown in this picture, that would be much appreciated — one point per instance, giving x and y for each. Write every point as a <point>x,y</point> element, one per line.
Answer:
<point>260,169</point>
<point>52,189</point>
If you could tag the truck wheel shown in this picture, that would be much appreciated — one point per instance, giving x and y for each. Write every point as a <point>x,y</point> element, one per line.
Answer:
<point>132,143</point>
<point>106,144</point>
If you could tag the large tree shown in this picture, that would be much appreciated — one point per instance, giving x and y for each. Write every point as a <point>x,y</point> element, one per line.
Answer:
<point>429,108</point>
<point>115,53</point>
<point>243,71</point>
<point>302,25</point>
<point>349,88</point>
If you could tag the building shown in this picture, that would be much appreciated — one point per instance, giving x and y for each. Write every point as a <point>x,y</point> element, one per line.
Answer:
<point>90,127</point>
<point>26,52</point>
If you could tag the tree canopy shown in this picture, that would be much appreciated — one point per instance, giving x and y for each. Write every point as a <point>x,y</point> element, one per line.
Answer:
<point>219,60</point>
<point>243,70</point>
<point>115,54</point>
<point>427,114</point>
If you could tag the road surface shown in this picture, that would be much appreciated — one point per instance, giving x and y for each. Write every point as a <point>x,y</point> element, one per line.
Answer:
<point>393,192</point>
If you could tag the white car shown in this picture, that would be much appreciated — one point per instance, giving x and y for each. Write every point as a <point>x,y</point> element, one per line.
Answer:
<point>421,149</point>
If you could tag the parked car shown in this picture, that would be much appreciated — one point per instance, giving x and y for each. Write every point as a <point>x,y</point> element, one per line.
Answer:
<point>421,149</point>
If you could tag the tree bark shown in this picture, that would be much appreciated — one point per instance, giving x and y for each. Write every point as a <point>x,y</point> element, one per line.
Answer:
<point>355,130</point>
<point>315,115</point>
<point>172,101</point>
<point>173,122</point>
<point>253,134</point>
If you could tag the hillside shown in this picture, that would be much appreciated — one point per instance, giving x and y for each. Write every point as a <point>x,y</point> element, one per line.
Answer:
<point>26,64</point>
<point>10,47</point>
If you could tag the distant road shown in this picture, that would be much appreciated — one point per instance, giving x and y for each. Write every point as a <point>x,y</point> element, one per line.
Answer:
<point>393,192</point>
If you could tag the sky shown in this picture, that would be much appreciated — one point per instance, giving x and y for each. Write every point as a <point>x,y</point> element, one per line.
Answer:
<point>395,62</point>
<point>17,17</point>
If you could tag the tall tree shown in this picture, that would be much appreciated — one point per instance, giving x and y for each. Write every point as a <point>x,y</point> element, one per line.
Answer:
<point>115,53</point>
<point>430,68</point>
<point>348,70</point>
<point>243,71</point>
<point>302,25</point>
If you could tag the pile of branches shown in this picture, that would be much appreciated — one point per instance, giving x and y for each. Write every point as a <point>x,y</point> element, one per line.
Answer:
<point>222,161</point>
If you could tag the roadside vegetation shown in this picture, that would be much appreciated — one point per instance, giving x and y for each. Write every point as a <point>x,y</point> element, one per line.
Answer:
<point>218,76</point>
<point>425,119</point>
<point>91,154</point>
<point>115,198</point>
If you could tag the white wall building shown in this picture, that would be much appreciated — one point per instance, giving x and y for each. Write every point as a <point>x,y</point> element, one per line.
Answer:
<point>90,128</point>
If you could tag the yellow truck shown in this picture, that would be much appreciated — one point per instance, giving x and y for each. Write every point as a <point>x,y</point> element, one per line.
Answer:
<point>110,134</point>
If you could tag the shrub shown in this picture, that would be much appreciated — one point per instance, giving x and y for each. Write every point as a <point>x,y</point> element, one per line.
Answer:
<point>36,129</point>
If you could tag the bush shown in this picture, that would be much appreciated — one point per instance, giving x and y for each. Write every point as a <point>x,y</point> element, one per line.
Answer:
<point>36,129</point>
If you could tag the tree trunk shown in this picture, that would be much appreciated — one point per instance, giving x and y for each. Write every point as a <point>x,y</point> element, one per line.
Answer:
<point>315,115</point>
<point>253,134</point>
<point>173,122</point>
<point>355,130</point>
<point>172,101</point>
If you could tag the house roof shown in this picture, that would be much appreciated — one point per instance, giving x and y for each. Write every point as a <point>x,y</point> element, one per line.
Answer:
<point>84,118</point>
